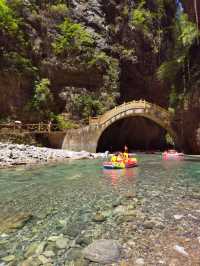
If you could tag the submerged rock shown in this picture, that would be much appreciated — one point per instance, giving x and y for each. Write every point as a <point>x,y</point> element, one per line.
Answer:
<point>13,221</point>
<point>139,261</point>
<point>180,250</point>
<point>31,261</point>
<point>99,218</point>
<point>62,243</point>
<point>178,216</point>
<point>103,251</point>
<point>35,248</point>
<point>49,254</point>
<point>74,254</point>
<point>84,240</point>
<point>8,258</point>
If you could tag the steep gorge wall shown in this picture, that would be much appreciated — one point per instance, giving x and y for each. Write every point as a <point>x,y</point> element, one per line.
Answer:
<point>192,8</point>
<point>110,25</point>
<point>125,57</point>
<point>187,118</point>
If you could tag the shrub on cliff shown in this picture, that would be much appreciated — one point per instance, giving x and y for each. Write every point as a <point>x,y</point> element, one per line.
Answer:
<point>110,67</point>
<point>16,61</point>
<point>73,37</point>
<point>62,123</point>
<point>186,34</point>
<point>42,99</point>
<point>141,17</point>
<point>59,9</point>
<point>8,22</point>
<point>87,105</point>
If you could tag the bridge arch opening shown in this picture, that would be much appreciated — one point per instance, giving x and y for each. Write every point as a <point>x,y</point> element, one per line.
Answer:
<point>137,132</point>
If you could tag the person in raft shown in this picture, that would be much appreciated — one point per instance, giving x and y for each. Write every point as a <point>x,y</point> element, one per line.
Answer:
<point>114,158</point>
<point>117,157</point>
<point>120,157</point>
<point>125,153</point>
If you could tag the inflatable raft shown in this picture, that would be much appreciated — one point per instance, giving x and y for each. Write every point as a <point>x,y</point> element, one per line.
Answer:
<point>172,155</point>
<point>121,165</point>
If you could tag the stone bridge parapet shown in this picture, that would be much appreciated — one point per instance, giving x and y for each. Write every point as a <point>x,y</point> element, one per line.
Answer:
<point>87,138</point>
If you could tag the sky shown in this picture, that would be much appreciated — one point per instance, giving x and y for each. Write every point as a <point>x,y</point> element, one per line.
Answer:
<point>179,5</point>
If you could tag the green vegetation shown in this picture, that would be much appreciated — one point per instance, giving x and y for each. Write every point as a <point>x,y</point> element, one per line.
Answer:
<point>74,37</point>
<point>87,105</point>
<point>176,70</point>
<point>169,140</point>
<point>62,123</point>
<point>141,17</point>
<point>42,99</point>
<point>18,62</point>
<point>169,69</point>
<point>16,5</point>
<point>100,59</point>
<point>60,9</point>
<point>8,21</point>
<point>187,32</point>
<point>149,19</point>
<point>104,62</point>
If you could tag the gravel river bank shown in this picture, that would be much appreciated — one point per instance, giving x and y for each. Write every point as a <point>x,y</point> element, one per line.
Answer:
<point>20,154</point>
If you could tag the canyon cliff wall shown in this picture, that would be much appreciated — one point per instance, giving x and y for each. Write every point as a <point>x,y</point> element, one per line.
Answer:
<point>96,54</point>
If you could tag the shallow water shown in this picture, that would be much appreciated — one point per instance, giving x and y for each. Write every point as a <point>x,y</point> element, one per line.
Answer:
<point>64,198</point>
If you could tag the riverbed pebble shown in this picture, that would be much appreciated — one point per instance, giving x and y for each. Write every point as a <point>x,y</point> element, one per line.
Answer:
<point>181,250</point>
<point>102,251</point>
<point>62,243</point>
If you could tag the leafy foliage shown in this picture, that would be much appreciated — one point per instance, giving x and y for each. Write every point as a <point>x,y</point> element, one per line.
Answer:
<point>169,69</point>
<point>59,8</point>
<point>186,34</point>
<point>104,62</point>
<point>8,22</point>
<point>18,62</point>
<point>63,123</point>
<point>142,17</point>
<point>169,140</point>
<point>42,99</point>
<point>87,105</point>
<point>74,37</point>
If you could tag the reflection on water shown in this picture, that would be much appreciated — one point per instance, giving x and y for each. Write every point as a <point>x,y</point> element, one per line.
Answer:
<point>117,177</point>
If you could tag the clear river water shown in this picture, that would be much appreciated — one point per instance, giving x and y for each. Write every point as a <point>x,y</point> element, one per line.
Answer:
<point>148,209</point>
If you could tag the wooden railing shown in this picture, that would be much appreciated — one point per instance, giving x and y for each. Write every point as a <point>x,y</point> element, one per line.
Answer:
<point>36,128</point>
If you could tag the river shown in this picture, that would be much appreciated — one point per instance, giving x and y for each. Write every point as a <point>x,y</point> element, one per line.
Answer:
<point>150,210</point>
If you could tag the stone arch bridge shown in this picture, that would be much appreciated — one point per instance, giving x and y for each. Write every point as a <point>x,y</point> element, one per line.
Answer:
<point>87,138</point>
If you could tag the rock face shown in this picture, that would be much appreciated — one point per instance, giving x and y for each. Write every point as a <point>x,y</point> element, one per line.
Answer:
<point>15,89</point>
<point>192,7</point>
<point>102,251</point>
<point>120,66</point>
<point>188,123</point>
<point>110,25</point>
